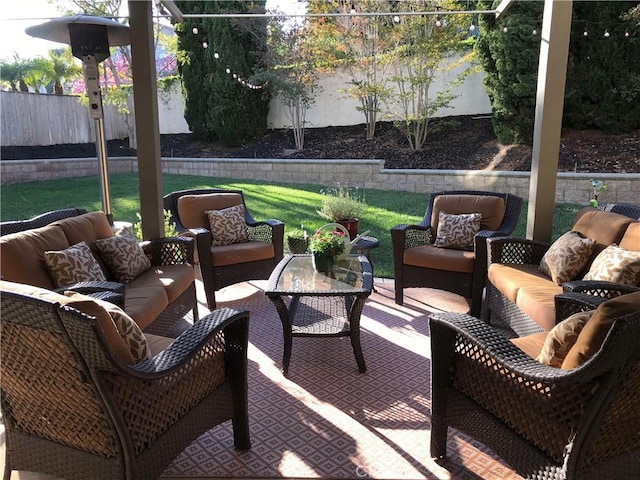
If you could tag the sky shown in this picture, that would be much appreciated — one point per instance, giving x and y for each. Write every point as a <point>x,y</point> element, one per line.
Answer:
<point>16,15</point>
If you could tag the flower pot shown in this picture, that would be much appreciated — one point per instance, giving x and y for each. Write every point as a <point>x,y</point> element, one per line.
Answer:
<point>297,245</point>
<point>323,263</point>
<point>351,225</point>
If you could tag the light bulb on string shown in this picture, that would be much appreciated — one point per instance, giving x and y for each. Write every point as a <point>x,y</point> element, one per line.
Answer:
<point>607,34</point>
<point>585,34</point>
<point>505,29</point>
<point>205,44</point>
<point>228,70</point>
<point>626,34</point>
<point>535,32</point>
<point>472,27</point>
<point>438,21</point>
<point>195,30</point>
<point>235,75</point>
<point>396,19</point>
<point>216,55</point>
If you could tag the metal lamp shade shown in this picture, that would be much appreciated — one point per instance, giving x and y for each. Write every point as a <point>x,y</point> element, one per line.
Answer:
<point>57,30</point>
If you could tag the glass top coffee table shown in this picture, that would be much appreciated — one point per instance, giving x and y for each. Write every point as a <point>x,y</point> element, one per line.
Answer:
<point>320,305</point>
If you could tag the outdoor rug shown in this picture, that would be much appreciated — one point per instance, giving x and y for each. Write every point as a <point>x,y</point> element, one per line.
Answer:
<point>327,420</point>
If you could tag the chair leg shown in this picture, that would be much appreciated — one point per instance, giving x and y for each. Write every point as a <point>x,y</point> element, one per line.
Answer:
<point>438,438</point>
<point>399,293</point>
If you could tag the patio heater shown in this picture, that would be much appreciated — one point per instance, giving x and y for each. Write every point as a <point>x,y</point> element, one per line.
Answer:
<point>90,37</point>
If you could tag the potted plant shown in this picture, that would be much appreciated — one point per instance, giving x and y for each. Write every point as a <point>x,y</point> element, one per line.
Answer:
<point>297,241</point>
<point>343,205</point>
<point>325,246</point>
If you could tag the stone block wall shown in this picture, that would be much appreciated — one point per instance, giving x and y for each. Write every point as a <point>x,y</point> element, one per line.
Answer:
<point>367,174</point>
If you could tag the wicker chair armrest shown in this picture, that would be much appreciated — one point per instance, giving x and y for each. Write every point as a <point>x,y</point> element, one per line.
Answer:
<point>187,345</point>
<point>503,356</point>
<point>169,250</point>
<point>515,250</point>
<point>598,288</point>
<point>87,288</point>
<point>568,303</point>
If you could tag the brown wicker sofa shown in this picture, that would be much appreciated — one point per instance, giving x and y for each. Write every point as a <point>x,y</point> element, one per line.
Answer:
<point>156,299</point>
<point>520,298</point>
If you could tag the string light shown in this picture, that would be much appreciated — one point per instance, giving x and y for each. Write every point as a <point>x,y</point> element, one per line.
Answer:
<point>505,29</point>
<point>216,55</point>
<point>607,34</point>
<point>585,33</point>
<point>438,21</point>
<point>472,27</point>
<point>535,32</point>
<point>205,44</point>
<point>195,30</point>
<point>626,34</point>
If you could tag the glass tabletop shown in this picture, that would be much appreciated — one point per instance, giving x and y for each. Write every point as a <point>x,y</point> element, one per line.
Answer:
<point>295,275</point>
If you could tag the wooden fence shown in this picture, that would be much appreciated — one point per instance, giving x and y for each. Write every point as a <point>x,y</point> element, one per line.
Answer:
<point>39,119</point>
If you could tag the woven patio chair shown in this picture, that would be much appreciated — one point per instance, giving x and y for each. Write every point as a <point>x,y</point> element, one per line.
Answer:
<point>223,265</point>
<point>418,262</point>
<point>545,422</point>
<point>71,408</point>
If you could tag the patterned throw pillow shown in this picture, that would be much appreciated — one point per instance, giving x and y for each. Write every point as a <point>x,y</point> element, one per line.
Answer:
<point>617,265</point>
<point>562,337</point>
<point>73,265</point>
<point>457,231</point>
<point>566,258</point>
<point>124,255</point>
<point>228,225</point>
<point>128,329</point>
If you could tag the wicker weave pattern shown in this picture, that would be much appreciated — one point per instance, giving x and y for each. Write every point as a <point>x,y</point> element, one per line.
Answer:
<point>39,221</point>
<point>547,423</point>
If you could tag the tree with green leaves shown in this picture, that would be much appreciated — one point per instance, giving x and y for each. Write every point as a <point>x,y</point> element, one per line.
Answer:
<point>215,57</point>
<point>15,73</point>
<point>426,47</point>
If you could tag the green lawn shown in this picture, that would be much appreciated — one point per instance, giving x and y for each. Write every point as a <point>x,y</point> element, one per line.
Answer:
<point>294,204</point>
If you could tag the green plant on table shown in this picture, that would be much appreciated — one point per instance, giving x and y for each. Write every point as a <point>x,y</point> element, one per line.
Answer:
<point>169,226</point>
<point>297,234</point>
<point>341,203</point>
<point>327,243</point>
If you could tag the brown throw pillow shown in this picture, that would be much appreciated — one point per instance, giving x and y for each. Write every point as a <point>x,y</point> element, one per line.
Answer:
<point>457,231</point>
<point>617,265</point>
<point>128,329</point>
<point>594,332</point>
<point>123,255</point>
<point>562,337</point>
<point>228,225</point>
<point>74,264</point>
<point>566,257</point>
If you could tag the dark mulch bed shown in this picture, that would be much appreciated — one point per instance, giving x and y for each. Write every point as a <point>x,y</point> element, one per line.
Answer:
<point>464,143</point>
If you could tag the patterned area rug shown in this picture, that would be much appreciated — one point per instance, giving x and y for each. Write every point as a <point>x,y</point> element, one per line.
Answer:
<point>327,420</point>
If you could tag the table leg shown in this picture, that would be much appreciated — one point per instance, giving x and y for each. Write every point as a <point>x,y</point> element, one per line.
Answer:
<point>285,319</point>
<point>355,312</point>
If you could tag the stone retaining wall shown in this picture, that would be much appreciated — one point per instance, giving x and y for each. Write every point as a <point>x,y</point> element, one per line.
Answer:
<point>368,174</point>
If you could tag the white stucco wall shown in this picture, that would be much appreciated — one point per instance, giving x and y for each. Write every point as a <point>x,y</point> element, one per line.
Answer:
<point>171,110</point>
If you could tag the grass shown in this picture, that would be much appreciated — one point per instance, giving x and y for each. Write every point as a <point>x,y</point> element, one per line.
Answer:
<point>294,204</point>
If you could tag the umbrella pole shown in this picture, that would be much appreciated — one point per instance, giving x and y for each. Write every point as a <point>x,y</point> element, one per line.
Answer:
<point>101,149</point>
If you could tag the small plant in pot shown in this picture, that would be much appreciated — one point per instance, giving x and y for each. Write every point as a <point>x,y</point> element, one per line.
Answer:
<point>343,205</point>
<point>325,248</point>
<point>297,241</point>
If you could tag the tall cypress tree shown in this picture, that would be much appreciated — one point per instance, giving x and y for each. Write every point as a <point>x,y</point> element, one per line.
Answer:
<point>217,104</point>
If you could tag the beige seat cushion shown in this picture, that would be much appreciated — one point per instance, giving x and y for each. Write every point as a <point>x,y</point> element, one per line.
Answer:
<point>631,238</point>
<point>509,278</point>
<point>192,208</point>
<point>143,302</point>
<point>530,344</point>
<point>429,256</point>
<point>241,253</point>
<point>491,208</point>
<point>537,301</point>
<point>175,279</point>
<point>594,332</point>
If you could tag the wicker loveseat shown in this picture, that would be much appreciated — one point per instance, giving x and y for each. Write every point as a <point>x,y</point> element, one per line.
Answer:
<point>73,408</point>
<point>156,299</point>
<point>579,421</point>
<point>520,298</point>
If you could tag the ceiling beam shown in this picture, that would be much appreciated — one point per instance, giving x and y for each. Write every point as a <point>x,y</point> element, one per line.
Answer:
<point>173,9</point>
<point>503,7</point>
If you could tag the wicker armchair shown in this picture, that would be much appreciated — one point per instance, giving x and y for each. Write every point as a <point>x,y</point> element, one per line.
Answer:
<point>457,271</point>
<point>546,422</point>
<point>225,265</point>
<point>73,410</point>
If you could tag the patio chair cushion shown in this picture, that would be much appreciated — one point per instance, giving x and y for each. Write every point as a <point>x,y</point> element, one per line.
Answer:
<point>605,228</point>
<point>561,338</point>
<point>124,255</point>
<point>491,208</point>
<point>594,332</point>
<point>228,226</point>
<point>631,238</point>
<point>617,265</point>
<point>192,208</point>
<point>566,257</point>
<point>128,330</point>
<point>86,305</point>
<point>457,231</point>
<point>74,264</point>
<point>428,256</point>
<point>241,253</point>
